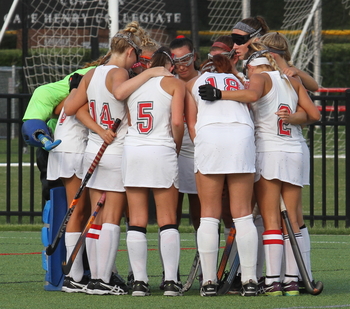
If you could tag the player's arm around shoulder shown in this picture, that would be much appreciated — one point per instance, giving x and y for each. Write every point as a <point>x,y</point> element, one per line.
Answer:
<point>78,96</point>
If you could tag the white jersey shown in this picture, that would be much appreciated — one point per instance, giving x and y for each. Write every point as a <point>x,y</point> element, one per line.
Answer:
<point>105,109</point>
<point>150,115</point>
<point>271,134</point>
<point>72,133</point>
<point>223,111</point>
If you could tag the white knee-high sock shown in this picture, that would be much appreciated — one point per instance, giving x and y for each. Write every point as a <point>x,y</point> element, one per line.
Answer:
<point>273,247</point>
<point>91,248</point>
<point>261,254</point>
<point>107,248</point>
<point>77,270</point>
<point>292,270</point>
<point>307,249</point>
<point>170,252</point>
<point>137,249</point>
<point>247,245</point>
<point>208,241</point>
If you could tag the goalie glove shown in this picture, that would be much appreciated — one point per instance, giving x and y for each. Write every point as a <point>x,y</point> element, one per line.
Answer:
<point>209,93</point>
<point>74,81</point>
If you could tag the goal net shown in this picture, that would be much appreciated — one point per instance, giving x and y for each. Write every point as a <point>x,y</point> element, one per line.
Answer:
<point>61,32</point>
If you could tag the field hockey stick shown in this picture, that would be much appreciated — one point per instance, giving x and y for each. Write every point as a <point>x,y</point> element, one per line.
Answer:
<point>227,251</point>
<point>225,284</point>
<point>193,273</point>
<point>309,286</point>
<point>51,248</point>
<point>47,143</point>
<point>66,267</point>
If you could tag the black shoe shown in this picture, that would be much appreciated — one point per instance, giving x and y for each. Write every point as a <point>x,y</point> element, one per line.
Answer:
<point>249,288</point>
<point>70,286</point>
<point>140,288</point>
<point>118,280</point>
<point>172,289</point>
<point>90,287</point>
<point>236,286</point>
<point>113,287</point>
<point>209,289</point>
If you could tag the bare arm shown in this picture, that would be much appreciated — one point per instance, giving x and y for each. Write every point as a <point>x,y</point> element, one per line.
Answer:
<point>122,90</point>
<point>254,93</point>
<point>308,81</point>
<point>299,117</point>
<point>313,114</point>
<point>177,114</point>
<point>191,110</point>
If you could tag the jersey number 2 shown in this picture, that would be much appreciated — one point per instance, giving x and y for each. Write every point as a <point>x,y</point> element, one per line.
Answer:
<point>283,128</point>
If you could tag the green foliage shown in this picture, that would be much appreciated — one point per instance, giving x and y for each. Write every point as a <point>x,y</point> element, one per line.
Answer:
<point>9,57</point>
<point>9,41</point>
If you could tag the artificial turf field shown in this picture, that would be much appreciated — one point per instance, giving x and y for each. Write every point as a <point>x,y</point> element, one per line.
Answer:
<point>22,278</point>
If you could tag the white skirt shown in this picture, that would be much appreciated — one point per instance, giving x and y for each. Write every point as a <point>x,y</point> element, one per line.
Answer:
<point>224,149</point>
<point>187,181</point>
<point>284,166</point>
<point>64,165</point>
<point>150,167</point>
<point>306,164</point>
<point>107,175</point>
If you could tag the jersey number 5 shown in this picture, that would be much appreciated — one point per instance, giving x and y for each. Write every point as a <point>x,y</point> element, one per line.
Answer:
<point>144,117</point>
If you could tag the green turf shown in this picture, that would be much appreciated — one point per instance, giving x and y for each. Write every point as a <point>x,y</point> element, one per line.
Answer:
<point>22,278</point>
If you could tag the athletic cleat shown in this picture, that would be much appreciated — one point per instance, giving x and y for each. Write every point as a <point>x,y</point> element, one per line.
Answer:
<point>236,285</point>
<point>118,280</point>
<point>113,287</point>
<point>209,289</point>
<point>291,288</point>
<point>140,288</point>
<point>70,286</point>
<point>249,288</point>
<point>273,289</point>
<point>172,289</point>
<point>90,287</point>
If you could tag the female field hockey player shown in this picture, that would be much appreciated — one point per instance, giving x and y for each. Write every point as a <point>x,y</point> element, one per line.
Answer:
<point>223,136</point>
<point>278,46</point>
<point>150,162</point>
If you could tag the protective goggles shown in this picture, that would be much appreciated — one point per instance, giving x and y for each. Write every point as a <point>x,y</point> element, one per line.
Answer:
<point>145,60</point>
<point>185,60</point>
<point>229,55</point>
<point>126,37</point>
<point>252,57</point>
<point>242,39</point>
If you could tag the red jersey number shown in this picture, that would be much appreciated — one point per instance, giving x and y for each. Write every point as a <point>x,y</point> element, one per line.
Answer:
<point>284,128</point>
<point>144,117</point>
<point>230,83</point>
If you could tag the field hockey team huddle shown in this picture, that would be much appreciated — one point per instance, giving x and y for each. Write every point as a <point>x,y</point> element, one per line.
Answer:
<point>232,141</point>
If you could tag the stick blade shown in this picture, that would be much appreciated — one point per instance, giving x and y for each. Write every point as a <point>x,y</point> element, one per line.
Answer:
<point>66,267</point>
<point>317,289</point>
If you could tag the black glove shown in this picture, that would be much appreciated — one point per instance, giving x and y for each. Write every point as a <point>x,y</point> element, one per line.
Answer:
<point>74,81</point>
<point>209,93</point>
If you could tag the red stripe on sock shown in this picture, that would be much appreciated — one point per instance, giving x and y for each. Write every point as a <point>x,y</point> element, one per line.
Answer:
<point>96,227</point>
<point>91,235</point>
<point>273,242</point>
<point>269,232</point>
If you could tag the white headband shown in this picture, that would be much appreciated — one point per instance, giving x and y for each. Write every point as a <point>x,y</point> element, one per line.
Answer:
<point>257,61</point>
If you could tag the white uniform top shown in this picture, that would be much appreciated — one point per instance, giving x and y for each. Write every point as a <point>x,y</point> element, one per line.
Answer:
<point>223,111</point>
<point>72,133</point>
<point>270,133</point>
<point>150,114</point>
<point>104,109</point>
